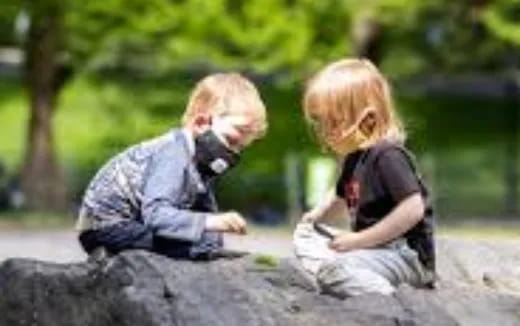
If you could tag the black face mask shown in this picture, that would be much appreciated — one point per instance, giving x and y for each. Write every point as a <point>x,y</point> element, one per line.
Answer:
<point>212,156</point>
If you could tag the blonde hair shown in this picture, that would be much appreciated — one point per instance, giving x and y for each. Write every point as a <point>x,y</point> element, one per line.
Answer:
<point>339,95</point>
<point>227,94</point>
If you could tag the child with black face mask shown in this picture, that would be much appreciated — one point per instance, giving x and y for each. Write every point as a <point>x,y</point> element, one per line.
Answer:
<point>158,196</point>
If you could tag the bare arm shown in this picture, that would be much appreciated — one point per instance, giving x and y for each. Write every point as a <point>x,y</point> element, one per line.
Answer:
<point>401,219</point>
<point>162,198</point>
<point>331,206</point>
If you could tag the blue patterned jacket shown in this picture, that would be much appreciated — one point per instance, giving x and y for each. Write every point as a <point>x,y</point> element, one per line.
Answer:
<point>154,182</point>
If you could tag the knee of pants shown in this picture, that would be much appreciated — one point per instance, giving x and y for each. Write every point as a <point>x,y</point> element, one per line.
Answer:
<point>117,237</point>
<point>342,280</point>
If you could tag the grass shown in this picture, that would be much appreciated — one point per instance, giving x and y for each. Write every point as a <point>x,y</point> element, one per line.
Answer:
<point>461,158</point>
<point>266,261</point>
<point>35,221</point>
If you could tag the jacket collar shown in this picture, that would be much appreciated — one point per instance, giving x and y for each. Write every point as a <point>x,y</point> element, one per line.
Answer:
<point>188,140</point>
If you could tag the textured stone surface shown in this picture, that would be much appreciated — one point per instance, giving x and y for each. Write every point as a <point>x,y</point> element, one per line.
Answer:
<point>480,264</point>
<point>140,288</point>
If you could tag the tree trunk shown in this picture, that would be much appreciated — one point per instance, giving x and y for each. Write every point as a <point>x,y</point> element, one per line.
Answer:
<point>367,39</point>
<point>42,179</point>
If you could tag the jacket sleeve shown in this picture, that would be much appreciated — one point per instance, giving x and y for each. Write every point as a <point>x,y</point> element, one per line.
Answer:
<point>165,186</point>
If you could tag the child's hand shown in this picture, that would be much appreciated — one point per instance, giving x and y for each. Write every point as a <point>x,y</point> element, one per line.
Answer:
<point>309,217</point>
<point>346,241</point>
<point>226,222</point>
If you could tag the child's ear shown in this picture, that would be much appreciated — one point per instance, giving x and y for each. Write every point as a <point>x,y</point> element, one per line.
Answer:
<point>201,123</point>
<point>368,124</point>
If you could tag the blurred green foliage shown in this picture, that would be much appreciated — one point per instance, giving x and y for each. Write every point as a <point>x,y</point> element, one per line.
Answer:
<point>134,62</point>
<point>155,36</point>
<point>267,261</point>
<point>272,36</point>
<point>295,37</point>
<point>97,117</point>
<point>503,19</point>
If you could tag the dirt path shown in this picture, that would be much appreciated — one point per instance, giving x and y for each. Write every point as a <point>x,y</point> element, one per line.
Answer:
<point>61,245</point>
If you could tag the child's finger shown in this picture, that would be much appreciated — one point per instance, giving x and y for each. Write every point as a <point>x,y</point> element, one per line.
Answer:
<point>333,244</point>
<point>230,225</point>
<point>239,224</point>
<point>243,227</point>
<point>240,228</point>
<point>236,224</point>
<point>243,224</point>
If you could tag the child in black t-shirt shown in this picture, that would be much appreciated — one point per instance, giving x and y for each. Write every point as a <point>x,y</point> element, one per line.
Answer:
<point>350,107</point>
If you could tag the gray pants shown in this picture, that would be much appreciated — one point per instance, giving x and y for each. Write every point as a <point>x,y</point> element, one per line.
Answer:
<point>357,272</point>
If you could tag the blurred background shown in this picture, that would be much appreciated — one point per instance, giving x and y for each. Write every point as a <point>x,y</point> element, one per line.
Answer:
<point>82,80</point>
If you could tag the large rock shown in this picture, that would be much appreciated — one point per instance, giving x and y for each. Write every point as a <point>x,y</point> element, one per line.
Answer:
<point>141,288</point>
<point>480,264</point>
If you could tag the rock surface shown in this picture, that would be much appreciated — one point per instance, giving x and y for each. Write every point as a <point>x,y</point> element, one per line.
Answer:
<point>141,288</point>
<point>486,264</point>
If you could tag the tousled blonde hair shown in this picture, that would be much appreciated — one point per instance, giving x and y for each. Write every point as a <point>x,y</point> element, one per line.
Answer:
<point>227,94</point>
<point>337,97</point>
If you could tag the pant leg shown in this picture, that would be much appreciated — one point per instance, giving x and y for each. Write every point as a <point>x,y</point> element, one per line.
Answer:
<point>311,248</point>
<point>371,270</point>
<point>209,243</point>
<point>135,235</point>
<point>118,237</point>
<point>200,250</point>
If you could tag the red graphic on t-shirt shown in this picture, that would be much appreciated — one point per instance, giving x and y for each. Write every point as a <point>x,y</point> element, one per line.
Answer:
<point>352,192</point>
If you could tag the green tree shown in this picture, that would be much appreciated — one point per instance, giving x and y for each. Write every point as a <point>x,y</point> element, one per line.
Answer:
<point>269,37</point>
<point>158,35</point>
<point>502,18</point>
<point>42,178</point>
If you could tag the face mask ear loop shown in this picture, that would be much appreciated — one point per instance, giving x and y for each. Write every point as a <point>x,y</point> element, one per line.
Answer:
<point>358,122</point>
<point>366,113</point>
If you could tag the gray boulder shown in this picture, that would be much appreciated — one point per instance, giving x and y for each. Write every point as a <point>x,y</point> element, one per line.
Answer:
<point>486,264</point>
<point>141,288</point>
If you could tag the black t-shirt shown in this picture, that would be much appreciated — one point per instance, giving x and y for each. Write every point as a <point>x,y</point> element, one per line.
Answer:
<point>374,181</point>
